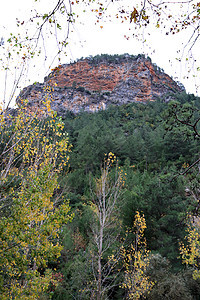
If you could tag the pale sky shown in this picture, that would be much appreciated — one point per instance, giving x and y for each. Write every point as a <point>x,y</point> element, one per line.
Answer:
<point>89,39</point>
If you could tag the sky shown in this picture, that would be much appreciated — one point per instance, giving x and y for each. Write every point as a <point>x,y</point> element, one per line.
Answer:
<point>109,36</point>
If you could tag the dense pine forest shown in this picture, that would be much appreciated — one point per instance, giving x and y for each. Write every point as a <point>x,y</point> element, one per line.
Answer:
<point>152,148</point>
<point>122,201</point>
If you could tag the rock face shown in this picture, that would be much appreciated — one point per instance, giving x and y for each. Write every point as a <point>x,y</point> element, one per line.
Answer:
<point>94,83</point>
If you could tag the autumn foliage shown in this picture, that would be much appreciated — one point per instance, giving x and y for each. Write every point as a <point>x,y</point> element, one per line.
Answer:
<point>33,154</point>
<point>135,262</point>
<point>190,251</point>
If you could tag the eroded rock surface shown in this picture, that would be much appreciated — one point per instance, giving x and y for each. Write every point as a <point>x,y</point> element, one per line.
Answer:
<point>94,83</point>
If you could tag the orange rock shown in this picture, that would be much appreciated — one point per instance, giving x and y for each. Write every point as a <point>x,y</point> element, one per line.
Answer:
<point>91,84</point>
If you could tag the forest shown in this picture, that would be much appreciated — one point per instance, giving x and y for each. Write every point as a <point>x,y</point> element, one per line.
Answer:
<point>101,205</point>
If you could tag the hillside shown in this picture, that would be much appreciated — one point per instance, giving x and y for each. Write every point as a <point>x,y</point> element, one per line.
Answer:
<point>135,159</point>
<point>94,83</point>
<point>150,154</point>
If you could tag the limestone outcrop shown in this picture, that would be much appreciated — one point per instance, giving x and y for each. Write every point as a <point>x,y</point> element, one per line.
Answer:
<point>95,83</point>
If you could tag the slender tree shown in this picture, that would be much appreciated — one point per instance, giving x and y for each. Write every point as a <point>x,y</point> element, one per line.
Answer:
<point>190,252</point>
<point>136,261</point>
<point>106,225</point>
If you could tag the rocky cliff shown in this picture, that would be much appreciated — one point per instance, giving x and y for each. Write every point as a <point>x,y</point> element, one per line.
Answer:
<point>94,83</point>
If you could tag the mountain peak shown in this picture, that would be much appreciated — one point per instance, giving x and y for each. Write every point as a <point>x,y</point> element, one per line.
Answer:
<point>94,83</point>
